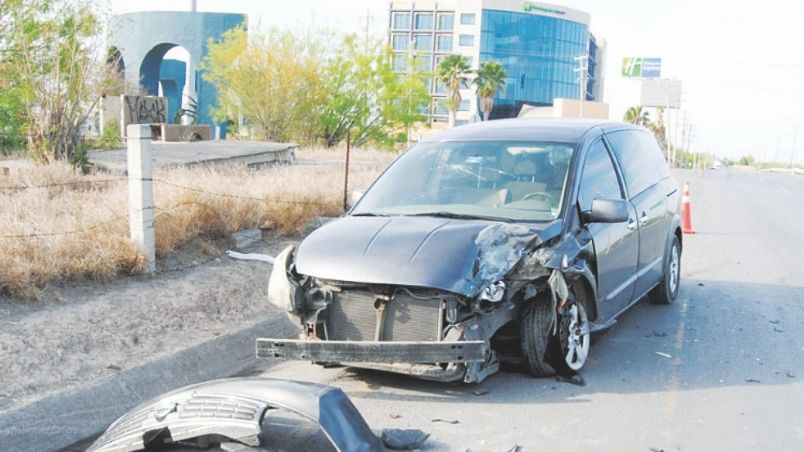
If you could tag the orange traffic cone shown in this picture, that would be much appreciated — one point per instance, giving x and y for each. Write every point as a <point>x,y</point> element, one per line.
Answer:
<point>686,213</point>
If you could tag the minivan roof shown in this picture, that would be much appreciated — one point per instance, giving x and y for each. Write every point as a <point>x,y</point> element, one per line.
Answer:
<point>529,129</point>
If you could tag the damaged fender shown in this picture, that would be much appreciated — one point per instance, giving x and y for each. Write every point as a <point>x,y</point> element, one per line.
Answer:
<point>234,408</point>
<point>283,291</point>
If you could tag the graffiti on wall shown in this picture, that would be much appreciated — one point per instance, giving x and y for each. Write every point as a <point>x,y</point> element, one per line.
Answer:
<point>144,110</point>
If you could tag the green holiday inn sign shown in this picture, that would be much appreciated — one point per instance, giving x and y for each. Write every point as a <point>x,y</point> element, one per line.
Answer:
<point>534,7</point>
<point>638,67</point>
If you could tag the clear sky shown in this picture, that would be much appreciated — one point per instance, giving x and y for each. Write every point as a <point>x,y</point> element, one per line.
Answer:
<point>742,62</point>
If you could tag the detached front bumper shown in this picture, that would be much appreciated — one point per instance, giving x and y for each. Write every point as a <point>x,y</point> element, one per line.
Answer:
<point>373,352</point>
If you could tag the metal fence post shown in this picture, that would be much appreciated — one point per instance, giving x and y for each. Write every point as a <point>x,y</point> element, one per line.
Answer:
<point>141,192</point>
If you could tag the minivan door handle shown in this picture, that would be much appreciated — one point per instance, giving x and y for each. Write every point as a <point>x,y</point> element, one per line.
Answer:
<point>644,218</point>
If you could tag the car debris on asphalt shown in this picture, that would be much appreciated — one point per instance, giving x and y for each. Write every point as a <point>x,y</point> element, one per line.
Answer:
<point>234,410</point>
<point>399,439</point>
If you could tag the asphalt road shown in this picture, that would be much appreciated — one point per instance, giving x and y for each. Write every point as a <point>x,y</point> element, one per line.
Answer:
<point>734,379</point>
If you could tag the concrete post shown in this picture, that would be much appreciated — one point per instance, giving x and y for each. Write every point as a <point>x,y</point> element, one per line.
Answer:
<point>141,192</point>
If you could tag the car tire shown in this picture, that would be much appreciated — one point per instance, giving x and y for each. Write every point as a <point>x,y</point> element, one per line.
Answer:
<point>667,290</point>
<point>547,354</point>
<point>535,326</point>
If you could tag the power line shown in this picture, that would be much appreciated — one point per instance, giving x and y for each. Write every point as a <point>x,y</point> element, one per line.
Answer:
<point>720,62</point>
<point>61,184</point>
<point>160,210</point>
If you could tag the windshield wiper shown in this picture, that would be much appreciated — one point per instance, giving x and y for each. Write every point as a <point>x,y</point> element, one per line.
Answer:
<point>459,216</point>
<point>369,214</point>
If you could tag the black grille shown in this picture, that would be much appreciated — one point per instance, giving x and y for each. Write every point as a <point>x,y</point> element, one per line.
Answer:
<point>352,317</point>
<point>411,319</point>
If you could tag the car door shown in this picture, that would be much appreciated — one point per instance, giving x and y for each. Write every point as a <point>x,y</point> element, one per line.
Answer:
<point>647,196</point>
<point>616,245</point>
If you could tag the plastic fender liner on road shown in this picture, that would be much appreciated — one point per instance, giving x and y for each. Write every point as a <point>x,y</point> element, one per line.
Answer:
<point>234,408</point>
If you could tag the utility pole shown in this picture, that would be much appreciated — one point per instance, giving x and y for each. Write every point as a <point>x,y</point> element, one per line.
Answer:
<point>690,136</point>
<point>583,70</point>
<point>409,69</point>
<point>795,140</point>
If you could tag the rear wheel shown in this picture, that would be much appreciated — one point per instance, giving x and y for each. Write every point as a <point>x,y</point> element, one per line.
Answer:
<point>667,290</point>
<point>547,353</point>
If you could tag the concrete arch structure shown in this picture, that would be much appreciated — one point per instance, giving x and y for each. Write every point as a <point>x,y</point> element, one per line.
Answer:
<point>143,39</point>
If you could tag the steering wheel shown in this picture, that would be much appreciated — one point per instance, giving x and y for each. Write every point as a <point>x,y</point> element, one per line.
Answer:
<point>543,196</point>
<point>504,173</point>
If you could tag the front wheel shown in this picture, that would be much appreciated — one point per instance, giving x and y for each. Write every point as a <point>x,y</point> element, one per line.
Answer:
<point>667,290</point>
<point>547,353</point>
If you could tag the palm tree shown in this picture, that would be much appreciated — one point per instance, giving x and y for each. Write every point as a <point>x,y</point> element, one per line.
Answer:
<point>453,71</point>
<point>657,126</point>
<point>490,78</point>
<point>637,115</point>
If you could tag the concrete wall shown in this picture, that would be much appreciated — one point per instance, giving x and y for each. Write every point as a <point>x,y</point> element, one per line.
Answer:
<point>143,110</point>
<point>143,39</point>
<point>111,111</point>
<point>172,76</point>
<point>177,133</point>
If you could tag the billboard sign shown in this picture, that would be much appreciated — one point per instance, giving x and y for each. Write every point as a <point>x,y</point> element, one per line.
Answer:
<point>638,67</point>
<point>661,93</point>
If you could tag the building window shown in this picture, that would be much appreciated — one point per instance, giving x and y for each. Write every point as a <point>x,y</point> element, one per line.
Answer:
<point>423,63</point>
<point>438,60</point>
<point>423,21</point>
<point>400,63</point>
<point>440,107</point>
<point>401,21</point>
<point>400,42</point>
<point>423,42</point>
<point>444,43</point>
<point>467,19</point>
<point>439,87</point>
<point>465,105</point>
<point>466,40</point>
<point>446,22</point>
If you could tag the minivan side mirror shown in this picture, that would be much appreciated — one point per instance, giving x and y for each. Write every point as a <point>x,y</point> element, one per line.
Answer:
<point>607,211</point>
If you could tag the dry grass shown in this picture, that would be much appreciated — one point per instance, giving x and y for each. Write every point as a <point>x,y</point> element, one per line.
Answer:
<point>89,218</point>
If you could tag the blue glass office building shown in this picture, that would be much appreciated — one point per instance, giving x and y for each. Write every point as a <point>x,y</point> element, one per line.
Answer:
<point>537,43</point>
<point>538,53</point>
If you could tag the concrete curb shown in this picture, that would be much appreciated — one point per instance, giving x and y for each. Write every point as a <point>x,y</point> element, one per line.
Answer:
<point>71,416</point>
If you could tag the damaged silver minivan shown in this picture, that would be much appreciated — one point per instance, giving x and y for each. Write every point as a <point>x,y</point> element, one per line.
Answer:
<point>505,241</point>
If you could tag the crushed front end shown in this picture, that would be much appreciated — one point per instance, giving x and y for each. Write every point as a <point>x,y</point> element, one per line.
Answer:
<point>428,333</point>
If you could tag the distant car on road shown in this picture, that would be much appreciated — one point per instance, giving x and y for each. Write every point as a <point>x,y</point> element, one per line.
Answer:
<point>509,240</point>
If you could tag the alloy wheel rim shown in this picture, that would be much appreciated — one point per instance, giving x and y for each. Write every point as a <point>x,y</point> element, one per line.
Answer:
<point>674,269</point>
<point>575,346</point>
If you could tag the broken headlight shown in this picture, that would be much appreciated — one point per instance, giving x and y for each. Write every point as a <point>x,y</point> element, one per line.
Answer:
<point>283,291</point>
<point>493,292</point>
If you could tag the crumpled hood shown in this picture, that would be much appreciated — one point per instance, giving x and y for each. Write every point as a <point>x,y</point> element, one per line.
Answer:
<point>459,256</point>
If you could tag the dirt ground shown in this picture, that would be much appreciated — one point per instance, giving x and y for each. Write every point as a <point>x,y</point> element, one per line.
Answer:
<point>81,331</point>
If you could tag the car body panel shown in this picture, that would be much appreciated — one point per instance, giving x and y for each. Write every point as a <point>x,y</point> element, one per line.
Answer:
<point>234,408</point>
<point>439,253</point>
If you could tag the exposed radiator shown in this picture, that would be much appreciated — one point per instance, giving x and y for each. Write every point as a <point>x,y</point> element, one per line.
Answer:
<point>352,316</point>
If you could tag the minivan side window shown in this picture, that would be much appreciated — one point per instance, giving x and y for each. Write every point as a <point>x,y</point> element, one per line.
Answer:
<point>599,178</point>
<point>638,163</point>
<point>649,143</point>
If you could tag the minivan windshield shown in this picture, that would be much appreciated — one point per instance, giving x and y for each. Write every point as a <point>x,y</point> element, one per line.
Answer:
<point>497,180</point>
